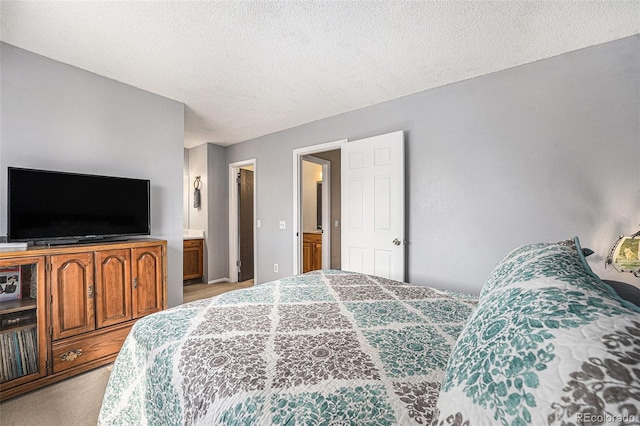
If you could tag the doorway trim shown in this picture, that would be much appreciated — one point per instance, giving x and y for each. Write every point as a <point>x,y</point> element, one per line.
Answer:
<point>297,210</point>
<point>233,219</point>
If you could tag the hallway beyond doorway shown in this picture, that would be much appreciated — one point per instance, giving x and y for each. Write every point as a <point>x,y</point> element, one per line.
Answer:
<point>202,291</point>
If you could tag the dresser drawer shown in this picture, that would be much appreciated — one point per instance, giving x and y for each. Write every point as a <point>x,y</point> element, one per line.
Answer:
<point>192,243</point>
<point>313,238</point>
<point>78,350</point>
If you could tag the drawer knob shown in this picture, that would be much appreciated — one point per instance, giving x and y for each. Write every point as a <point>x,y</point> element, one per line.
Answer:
<point>71,355</point>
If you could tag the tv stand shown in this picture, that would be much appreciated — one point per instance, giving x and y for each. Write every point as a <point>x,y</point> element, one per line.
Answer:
<point>73,307</point>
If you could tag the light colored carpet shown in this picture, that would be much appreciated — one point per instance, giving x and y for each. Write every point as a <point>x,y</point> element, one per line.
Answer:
<point>76,401</point>
<point>72,402</point>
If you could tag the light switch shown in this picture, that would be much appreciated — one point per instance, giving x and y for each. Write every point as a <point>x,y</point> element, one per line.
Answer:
<point>337,223</point>
<point>283,224</point>
<point>258,224</point>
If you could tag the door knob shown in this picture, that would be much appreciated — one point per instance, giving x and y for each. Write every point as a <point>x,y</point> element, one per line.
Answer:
<point>396,242</point>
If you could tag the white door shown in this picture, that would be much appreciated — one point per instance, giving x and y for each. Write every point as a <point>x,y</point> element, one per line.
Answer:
<point>373,206</point>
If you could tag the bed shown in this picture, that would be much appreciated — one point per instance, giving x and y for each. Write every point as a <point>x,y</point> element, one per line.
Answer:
<point>546,342</point>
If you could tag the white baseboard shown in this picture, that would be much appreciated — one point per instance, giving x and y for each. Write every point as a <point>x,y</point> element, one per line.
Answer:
<point>219,280</point>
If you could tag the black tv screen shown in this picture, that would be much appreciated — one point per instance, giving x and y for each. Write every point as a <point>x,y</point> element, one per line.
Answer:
<point>48,205</point>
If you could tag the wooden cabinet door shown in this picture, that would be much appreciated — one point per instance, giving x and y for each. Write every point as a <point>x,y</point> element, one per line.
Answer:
<point>307,256</point>
<point>113,287</point>
<point>72,293</point>
<point>147,273</point>
<point>317,256</point>
<point>192,260</point>
<point>27,361</point>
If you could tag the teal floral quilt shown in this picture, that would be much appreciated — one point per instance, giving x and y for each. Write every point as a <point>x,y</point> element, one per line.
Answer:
<point>548,344</point>
<point>323,348</point>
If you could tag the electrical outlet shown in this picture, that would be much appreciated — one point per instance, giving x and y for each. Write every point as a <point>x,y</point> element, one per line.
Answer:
<point>283,224</point>
<point>275,267</point>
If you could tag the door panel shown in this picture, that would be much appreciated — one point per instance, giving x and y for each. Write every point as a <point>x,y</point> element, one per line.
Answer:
<point>307,257</point>
<point>147,280</point>
<point>113,287</point>
<point>356,204</point>
<point>382,202</point>
<point>72,294</point>
<point>373,206</point>
<point>382,264</point>
<point>192,259</point>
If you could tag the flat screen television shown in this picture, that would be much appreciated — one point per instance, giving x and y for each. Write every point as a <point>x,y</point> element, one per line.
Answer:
<point>48,206</point>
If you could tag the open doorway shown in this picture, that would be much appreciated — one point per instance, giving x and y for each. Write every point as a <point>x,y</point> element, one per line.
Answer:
<point>317,227</point>
<point>315,206</point>
<point>242,213</point>
<point>245,223</point>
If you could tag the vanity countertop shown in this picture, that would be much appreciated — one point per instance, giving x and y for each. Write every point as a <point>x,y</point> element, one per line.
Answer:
<point>192,234</point>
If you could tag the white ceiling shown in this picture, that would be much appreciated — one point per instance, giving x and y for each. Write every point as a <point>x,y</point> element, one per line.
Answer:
<point>245,69</point>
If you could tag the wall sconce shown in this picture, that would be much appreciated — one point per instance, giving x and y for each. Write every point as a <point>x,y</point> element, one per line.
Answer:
<point>624,254</point>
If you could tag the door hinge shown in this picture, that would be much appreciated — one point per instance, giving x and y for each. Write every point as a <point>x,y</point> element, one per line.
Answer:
<point>50,330</point>
<point>48,366</point>
<point>238,263</point>
<point>48,266</point>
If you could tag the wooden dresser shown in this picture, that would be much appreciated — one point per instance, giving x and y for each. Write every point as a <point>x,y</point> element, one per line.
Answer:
<point>73,307</point>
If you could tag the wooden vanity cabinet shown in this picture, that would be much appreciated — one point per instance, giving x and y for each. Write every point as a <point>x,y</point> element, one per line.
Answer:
<point>193,259</point>
<point>311,251</point>
<point>94,295</point>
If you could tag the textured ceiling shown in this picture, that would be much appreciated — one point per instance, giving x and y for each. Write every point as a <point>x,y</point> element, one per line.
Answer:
<point>245,69</point>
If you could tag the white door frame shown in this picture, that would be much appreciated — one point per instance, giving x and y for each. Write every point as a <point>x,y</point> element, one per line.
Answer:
<point>297,172</point>
<point>326,207</point>
<point>233,219</point>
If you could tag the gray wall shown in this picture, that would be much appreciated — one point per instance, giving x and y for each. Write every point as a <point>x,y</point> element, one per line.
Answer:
<point>540,152</point>
<point>199,217</point>
<point>187,186</point>
<point>218,250</point>
<point>58,117</point>
<point>208,162</point>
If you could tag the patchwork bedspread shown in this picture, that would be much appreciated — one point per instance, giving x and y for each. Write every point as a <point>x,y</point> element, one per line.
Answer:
<point>322,348</point>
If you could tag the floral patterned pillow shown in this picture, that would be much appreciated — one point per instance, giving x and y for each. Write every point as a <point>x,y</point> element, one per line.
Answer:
<point>534,260</point>
<point>548,343</point>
